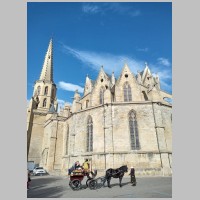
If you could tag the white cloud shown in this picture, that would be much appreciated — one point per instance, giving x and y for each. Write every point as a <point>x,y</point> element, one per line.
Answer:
<point>114,7</point>
<point>70,87</point>
<point>122,9</point>
<point>165,85</point>
<point>143,49</point>
<point>165,74</point>
<point>165,77</point>
<point>115,63</point>
<point>110,62</point>
<point>164,61</point>
<point>89,8</point>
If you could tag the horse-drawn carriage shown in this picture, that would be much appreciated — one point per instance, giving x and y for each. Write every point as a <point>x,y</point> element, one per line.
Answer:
<point>78,175</point>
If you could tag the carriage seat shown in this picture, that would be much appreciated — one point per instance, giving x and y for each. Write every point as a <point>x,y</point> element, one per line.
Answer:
<point>77,172</point>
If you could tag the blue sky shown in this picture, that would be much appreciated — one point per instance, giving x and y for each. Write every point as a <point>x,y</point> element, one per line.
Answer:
<point>89,35</point>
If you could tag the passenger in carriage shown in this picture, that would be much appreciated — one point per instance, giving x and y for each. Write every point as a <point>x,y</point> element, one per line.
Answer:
<point>75,166</point>
<point>79,167</point>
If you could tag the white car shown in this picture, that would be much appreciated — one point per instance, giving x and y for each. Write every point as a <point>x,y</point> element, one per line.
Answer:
<point>39,171</point>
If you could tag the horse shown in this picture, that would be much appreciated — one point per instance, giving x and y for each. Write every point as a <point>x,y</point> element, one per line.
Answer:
<point>116,173</point>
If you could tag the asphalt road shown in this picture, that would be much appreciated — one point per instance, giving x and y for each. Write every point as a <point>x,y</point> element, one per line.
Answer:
<point>58,187</point>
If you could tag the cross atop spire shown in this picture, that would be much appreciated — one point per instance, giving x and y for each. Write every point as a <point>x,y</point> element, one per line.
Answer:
<point>47,69</point>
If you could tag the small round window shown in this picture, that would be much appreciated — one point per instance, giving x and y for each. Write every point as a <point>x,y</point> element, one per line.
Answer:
<point>126,75</point>
<point>101,80</point>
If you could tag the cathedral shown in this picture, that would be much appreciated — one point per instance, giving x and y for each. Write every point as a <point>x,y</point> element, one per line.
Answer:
<point>124,121</point>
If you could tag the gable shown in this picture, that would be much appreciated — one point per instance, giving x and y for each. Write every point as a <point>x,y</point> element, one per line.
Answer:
<point>126,76</point>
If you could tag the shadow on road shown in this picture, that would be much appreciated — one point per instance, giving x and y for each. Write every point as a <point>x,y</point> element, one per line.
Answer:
<point>117,184</point>
<point>52,192</point>
<point>41,188</point>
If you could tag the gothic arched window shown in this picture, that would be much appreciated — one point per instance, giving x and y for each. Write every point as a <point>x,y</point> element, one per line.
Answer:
<point>127,92</point>
<point>134,137</point>
<point>45,103</point>
<point>89,134</point>
<point>101,96</point>
<point>38,90</point>
<point>46,90</point>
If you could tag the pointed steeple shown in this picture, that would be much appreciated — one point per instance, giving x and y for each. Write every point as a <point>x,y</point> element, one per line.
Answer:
<point>45,89</point>
<point>146,73</point>
<point>47,69</point>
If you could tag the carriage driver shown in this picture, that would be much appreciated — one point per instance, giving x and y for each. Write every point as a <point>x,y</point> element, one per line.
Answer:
<point>86,166</point>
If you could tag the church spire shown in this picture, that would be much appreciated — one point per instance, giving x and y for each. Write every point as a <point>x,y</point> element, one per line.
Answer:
<point>47,69</point>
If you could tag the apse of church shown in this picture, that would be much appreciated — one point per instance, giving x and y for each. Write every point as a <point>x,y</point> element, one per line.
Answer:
<point>117,121</point>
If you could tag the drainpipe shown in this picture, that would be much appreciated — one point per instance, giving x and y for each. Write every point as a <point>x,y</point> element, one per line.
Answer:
<point>55,144</point>
<point>157,134</point>
<point>112,132</point>
<point>104,137</point>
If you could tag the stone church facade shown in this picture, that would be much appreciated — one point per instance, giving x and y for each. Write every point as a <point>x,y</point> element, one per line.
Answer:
<point>115,122</point>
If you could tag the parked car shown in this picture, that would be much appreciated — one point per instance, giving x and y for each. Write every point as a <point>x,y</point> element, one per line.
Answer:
<point>39,171</point>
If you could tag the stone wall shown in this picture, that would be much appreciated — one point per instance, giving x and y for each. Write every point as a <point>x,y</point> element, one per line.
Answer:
<point>58,140</point>
<point>36,138</point>
<point>111,138</point>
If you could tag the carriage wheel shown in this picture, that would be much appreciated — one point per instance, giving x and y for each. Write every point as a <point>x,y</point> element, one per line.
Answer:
<point>92,184</point>
<point>75,184</point>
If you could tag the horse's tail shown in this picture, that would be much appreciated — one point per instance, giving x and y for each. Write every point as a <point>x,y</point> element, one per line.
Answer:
<point>107,173</point>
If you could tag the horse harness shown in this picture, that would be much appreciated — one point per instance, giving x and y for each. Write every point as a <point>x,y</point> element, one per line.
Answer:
<point>117,171</point>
